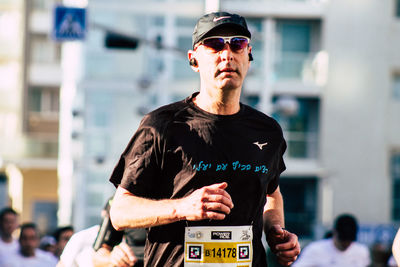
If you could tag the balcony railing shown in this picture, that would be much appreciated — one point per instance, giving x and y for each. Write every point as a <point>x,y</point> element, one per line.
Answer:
<point>302,144</point>
<point>43,123</point>
<point>305,67</point>
<point>311,1</point>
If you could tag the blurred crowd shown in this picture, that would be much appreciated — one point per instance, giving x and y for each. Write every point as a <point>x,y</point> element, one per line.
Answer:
<point>101,245</point>
<point>28,249</point>
<point>22,245</point>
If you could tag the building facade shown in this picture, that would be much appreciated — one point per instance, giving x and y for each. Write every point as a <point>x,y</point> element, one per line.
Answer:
<point>30,80</point>
<point>329,73</point>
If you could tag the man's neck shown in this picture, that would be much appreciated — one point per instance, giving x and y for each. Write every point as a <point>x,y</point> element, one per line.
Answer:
<point>28,254</point>
<point>7,239</point>
<point>218,102</point>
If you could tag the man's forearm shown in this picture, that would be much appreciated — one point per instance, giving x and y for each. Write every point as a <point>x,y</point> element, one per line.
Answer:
<point>211,202</point>
<point>273,211</point>
<point>130,211</point>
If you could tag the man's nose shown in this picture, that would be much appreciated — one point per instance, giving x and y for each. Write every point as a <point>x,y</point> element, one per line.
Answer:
<point>226,52</point>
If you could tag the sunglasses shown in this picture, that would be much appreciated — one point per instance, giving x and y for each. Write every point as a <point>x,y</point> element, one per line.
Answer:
<point>217,43</point>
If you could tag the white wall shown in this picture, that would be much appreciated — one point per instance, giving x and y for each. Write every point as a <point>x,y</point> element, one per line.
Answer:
<point>354,114</point>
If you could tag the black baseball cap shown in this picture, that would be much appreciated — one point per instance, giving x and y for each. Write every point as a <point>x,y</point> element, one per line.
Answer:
<point>214,20</point>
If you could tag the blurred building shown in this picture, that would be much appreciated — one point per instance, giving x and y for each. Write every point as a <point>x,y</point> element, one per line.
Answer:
<point>328,71</point>
<point>30,78</point>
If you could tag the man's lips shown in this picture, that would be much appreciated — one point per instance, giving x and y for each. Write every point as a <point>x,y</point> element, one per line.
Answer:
<point>226,70</point>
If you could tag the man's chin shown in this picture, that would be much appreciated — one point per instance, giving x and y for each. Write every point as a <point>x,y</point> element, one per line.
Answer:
<point>229,85</point>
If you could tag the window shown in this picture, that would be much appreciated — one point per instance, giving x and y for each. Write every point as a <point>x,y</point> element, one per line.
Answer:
<point>39,148</point>
<point>300,204</point>
<point>257,43</point>
<point>299,120</point>
<point>98,105</point>
<point>185,22</point>
<point>97,146</point>
<point>182,68</point>
<point>44,50</point>
<point>398,8</point>
<point>396,87</point>
<point>43,4</point>
<point>43,100</point>
<point>45,215</point>
<point>395,173</point>
<point>297,42</point>
<point>250,99</point>
<point>3,189</point>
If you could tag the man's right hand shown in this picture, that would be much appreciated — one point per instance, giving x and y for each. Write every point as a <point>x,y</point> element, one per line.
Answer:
<point>121,256</point>
<point>209,202</point>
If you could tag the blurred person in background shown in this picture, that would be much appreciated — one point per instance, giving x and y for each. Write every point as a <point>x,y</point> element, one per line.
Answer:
<point>62,236</point>
<point>8,224</point>
<point>29,253</point>
<point>341,250</point>
<point>103,246</point>
<point>394,260</point>
<point>48,243</point>
<point>78,252</point>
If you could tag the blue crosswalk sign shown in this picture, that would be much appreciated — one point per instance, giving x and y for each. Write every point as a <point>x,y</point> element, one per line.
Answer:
<point>69,23</point>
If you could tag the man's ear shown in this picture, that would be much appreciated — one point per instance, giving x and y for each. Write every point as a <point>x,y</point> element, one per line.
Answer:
<point>250,54</point>
<point>193,61</point>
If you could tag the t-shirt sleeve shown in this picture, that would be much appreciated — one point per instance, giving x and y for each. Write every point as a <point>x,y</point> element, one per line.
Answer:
<point>278,167</point>
<point>139,164</point>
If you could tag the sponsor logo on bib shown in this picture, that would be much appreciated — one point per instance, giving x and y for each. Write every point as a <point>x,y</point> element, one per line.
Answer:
<point>221,235</point>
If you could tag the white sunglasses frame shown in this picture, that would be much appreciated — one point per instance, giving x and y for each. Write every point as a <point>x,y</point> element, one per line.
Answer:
<point>227,39</point>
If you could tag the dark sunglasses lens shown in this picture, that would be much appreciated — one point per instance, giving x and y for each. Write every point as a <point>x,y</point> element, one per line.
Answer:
<point>215,43</point>
<point>238,43</point>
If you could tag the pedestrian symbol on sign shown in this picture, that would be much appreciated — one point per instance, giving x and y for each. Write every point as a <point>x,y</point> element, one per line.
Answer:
<point>69,23</point>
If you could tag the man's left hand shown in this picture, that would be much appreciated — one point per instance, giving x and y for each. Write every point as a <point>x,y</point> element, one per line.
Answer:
<point>284,244</point>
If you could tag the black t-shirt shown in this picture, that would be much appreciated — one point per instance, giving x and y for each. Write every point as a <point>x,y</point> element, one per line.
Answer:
<point>179,148</point>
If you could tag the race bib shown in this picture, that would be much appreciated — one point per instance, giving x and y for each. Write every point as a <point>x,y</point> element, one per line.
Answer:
<point>219,246</point>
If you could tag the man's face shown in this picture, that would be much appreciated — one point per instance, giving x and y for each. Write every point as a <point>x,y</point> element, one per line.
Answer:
<point>9,224</point>
<point>64,238</point>
<point>29,241</point>
<point>225,69</point>
<point>341,245</point>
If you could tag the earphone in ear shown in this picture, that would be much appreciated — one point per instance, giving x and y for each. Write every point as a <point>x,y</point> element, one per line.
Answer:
<point>193,62</point>
<point>250,57</point>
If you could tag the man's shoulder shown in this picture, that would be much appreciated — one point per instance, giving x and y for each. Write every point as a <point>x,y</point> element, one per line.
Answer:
<point>320,245</point>
<point>8,247</point>
<point>164,114</point>
<point>359,247</point>
<point>45,256</point>
<point>84,237</point>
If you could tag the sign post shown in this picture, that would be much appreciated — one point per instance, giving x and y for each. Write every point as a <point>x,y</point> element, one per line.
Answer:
<point>70,23</point>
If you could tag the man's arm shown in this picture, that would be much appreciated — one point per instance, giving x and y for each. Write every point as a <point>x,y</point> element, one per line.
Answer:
<point>130,211</point>
<point>396,247</point>
<point>273,211</point>
<point>283,243</point>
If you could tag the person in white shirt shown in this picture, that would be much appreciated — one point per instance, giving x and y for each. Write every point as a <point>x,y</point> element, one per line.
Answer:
<point>396,249</point>
<point>8,224</point>
<point>28,253</point>
<point>62,236</point>
<point>341,250</point>
<point>81,250</point>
